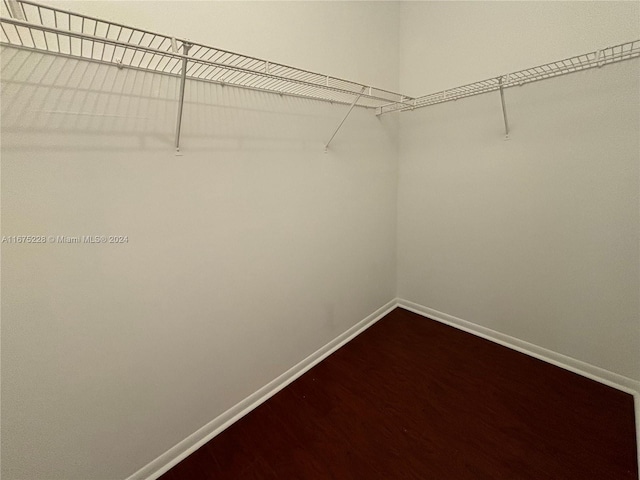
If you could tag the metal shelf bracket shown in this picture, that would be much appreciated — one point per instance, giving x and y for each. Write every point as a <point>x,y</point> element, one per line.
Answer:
<point>504,106</point>
<point>353,104</point>
<point>183,80</point>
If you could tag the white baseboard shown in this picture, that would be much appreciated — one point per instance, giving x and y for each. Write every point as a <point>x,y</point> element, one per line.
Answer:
<point>174,455</point>
<point>598,374</point>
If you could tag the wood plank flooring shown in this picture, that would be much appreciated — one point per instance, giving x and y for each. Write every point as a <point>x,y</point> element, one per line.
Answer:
<point>411,398</point>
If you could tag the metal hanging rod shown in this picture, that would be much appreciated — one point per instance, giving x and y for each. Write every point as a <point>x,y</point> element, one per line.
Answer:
<point>599,58</point>
<point>30,25</point>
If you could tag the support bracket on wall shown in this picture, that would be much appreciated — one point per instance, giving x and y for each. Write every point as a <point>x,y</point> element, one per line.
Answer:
<point>353,104</point>
<point>504,106</point>
<point>183,80</point>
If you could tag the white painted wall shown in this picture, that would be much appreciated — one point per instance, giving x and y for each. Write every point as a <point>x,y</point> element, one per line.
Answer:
<point>245,255</point>
<point>255,248</point>
<point>536,237</point>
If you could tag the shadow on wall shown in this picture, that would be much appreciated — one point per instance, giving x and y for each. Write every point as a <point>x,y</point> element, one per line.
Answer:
<point>114,109</point>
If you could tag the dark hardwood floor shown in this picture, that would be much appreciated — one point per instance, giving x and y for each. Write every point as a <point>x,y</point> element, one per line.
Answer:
<point>411,398</point>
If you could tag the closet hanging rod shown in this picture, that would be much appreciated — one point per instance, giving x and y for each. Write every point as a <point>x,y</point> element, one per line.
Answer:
<point>34,26</point>
<point>599,58</point>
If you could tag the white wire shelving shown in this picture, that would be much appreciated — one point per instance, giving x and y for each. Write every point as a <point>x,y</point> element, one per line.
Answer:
<point>599,58</point>
<point>29,25</point>
<point>34,26</point>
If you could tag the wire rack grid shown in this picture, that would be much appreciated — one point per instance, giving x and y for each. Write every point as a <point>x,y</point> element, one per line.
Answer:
<point>30,25</point>
<point>599,58</point>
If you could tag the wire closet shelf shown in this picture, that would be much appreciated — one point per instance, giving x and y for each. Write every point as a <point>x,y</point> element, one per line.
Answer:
<point>30,25</point>
<point>599,58</point>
